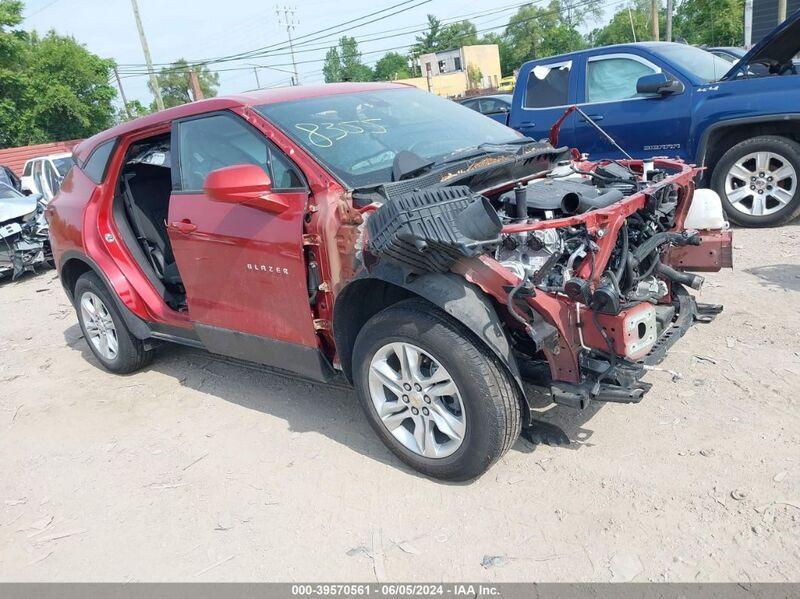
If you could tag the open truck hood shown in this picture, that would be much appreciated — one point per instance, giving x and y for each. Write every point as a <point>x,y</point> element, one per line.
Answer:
<point>778,47</point>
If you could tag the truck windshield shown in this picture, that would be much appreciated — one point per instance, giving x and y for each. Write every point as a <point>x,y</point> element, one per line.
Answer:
<point>357,135</point>
<point>701,63</point>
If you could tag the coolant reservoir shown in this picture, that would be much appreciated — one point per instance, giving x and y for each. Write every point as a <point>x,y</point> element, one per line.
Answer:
<point>705,211</point>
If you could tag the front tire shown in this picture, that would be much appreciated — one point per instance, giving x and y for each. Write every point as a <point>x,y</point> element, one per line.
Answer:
<point>441,402</point>
<point>758,181</point>
<point>104,329</point>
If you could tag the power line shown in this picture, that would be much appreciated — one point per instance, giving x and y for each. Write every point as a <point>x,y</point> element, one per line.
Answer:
<point>384,50</point>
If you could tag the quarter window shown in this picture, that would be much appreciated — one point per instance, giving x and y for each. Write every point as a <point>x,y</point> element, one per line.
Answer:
<point>28,169</point>
<point>217,141</point>
<point>613,79</point>
<point>548,85</point>
<point>95,167</point>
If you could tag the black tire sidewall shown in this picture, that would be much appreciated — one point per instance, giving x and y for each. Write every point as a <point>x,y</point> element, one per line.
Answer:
<point>483,439</point>
<point>789,149</point>
<point>126,350</point>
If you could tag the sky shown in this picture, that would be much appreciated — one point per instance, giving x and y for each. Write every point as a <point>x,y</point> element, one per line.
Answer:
<point>201,29</point>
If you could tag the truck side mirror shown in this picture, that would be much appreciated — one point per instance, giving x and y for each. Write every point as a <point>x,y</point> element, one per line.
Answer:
<point>659,83</point>
<point>244,184</point>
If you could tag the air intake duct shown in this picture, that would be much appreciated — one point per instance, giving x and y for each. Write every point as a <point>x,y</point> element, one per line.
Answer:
<point>578,203</point>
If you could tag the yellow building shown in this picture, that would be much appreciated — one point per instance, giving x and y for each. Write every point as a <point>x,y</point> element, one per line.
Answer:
<point>452,72</point>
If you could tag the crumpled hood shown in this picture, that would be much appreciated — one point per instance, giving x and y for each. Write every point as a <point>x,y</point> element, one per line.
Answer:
<point>779,45</point>
<point>11,208</point>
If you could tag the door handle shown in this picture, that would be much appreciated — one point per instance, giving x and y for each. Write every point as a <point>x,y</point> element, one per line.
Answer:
<point>183,226</point>
<point>594,117</point>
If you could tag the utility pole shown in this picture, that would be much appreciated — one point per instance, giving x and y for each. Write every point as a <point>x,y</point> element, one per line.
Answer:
<point>669,20</point>
<point>286,17</point>
<point>748,23</point>
<point>147,59</point>
<point>194,84</point>
<point>781,11</point>
<point>122,92</point>
<point>255,72</point>
<point>654,16</point>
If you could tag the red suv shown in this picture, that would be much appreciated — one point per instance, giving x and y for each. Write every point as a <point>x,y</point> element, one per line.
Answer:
<point>446,266</point>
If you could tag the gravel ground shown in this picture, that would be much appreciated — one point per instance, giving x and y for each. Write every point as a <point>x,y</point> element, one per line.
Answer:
<point>198,469</point>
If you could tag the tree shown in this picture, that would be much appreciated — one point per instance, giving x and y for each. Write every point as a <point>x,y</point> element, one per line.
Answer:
<point>332,68</point>
<point>537,32</point>
<point>429,40</point>
<point>392,66</point>
<point>344,63</point>
<point>135,108</point>
<point>175,87</point>
<point>474,75</point>
<point>456,35</point>
<point>51,88</point>
<point>712,22</point>
<point>629,24</point>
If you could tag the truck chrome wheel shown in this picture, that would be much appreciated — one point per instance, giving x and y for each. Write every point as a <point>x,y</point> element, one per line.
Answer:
<point>417,400</point>
<point>761,183</point>
<point>99,325</point>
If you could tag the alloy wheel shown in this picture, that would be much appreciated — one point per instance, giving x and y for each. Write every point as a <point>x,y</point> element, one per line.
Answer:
<point>761,183</point>
<point>417,400</point>
<point>99,326</point>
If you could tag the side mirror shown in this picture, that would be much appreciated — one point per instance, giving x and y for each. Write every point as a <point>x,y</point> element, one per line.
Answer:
<point>243,184</point>
<point>659,83</point>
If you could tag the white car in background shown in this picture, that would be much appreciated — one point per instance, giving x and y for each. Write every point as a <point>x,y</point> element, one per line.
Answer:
<point>44,174</point>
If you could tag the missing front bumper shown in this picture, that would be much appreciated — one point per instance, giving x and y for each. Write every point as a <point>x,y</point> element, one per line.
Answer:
<point>628,388</point>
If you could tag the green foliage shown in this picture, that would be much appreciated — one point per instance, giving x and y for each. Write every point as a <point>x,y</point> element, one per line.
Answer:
<point>51,88</point>
<point>619,29</point>
<point>711,22</point>
<point>429,40</point>
<point>474,74</point>
<point>448,37</point>
<point>344,63</point>
<point>537,32</point>
<point>392,66</point>
<point>507,60</point>
<point>136,109</point>
<point>175,87</point>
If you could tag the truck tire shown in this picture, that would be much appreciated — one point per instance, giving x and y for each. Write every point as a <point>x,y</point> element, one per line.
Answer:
<point>440,401</point>
<point>759,181</point>
<point>104,329</point>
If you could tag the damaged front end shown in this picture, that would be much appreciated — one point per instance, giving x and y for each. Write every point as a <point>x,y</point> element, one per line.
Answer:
<point>24,240</point>
<point>587,264</point>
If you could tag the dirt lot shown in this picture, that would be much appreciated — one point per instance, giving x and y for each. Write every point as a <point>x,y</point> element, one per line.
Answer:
<point>198,469</point>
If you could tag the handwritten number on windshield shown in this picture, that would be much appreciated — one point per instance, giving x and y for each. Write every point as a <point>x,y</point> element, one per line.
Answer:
<point>324,135</point>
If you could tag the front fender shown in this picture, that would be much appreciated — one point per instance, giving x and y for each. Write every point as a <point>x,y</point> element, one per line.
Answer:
<point>462,300</point>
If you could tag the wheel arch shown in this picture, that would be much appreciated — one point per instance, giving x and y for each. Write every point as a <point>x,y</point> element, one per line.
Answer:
<point>372,292</point>
<point>75,264</point>
<point>722,136</point>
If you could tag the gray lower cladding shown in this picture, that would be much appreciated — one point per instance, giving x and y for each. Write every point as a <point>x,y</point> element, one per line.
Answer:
<point>305,361</point>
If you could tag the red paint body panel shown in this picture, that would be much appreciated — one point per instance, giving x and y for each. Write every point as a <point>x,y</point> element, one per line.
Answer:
<point>714,253</point>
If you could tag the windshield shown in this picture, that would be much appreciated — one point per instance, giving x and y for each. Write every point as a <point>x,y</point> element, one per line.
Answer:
<point>701,63</point>
<point>358,135</point>
<point>63,165</point>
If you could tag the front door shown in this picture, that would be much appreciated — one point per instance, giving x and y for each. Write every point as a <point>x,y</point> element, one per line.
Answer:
<point>242,266</point>
<point>549,90</point>
<point>643,126</point>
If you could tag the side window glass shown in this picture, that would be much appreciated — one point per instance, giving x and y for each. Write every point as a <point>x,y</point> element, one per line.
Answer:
<point>613,79</point>
<point>548,85</point>
<point>95,167</point>
<point>27,171</point>
<point>217,141</point>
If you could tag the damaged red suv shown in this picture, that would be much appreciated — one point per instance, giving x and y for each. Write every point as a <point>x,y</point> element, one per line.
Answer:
<point>447,267</point>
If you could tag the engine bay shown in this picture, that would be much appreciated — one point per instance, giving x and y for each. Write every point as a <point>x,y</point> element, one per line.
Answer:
<point>591,242</point>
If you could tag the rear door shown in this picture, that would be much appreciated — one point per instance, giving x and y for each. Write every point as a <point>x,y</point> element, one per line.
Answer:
<point>546,92</point>
<point>644,126</point>
<point>243,267</point>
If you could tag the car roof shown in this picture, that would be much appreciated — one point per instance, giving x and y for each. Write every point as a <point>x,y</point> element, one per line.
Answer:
<point>618,47</point>
<point>255,98</point>
<point>506,97</point>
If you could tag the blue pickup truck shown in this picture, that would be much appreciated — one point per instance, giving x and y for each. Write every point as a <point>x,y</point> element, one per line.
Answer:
<point>741,121</point>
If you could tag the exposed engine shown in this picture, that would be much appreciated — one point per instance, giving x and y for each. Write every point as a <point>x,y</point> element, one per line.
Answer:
<point>24,242</point>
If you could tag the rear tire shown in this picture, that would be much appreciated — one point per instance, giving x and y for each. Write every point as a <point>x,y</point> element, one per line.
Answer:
<point>473,417</point>
<point>758,181</point>
<point>104,329</point>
